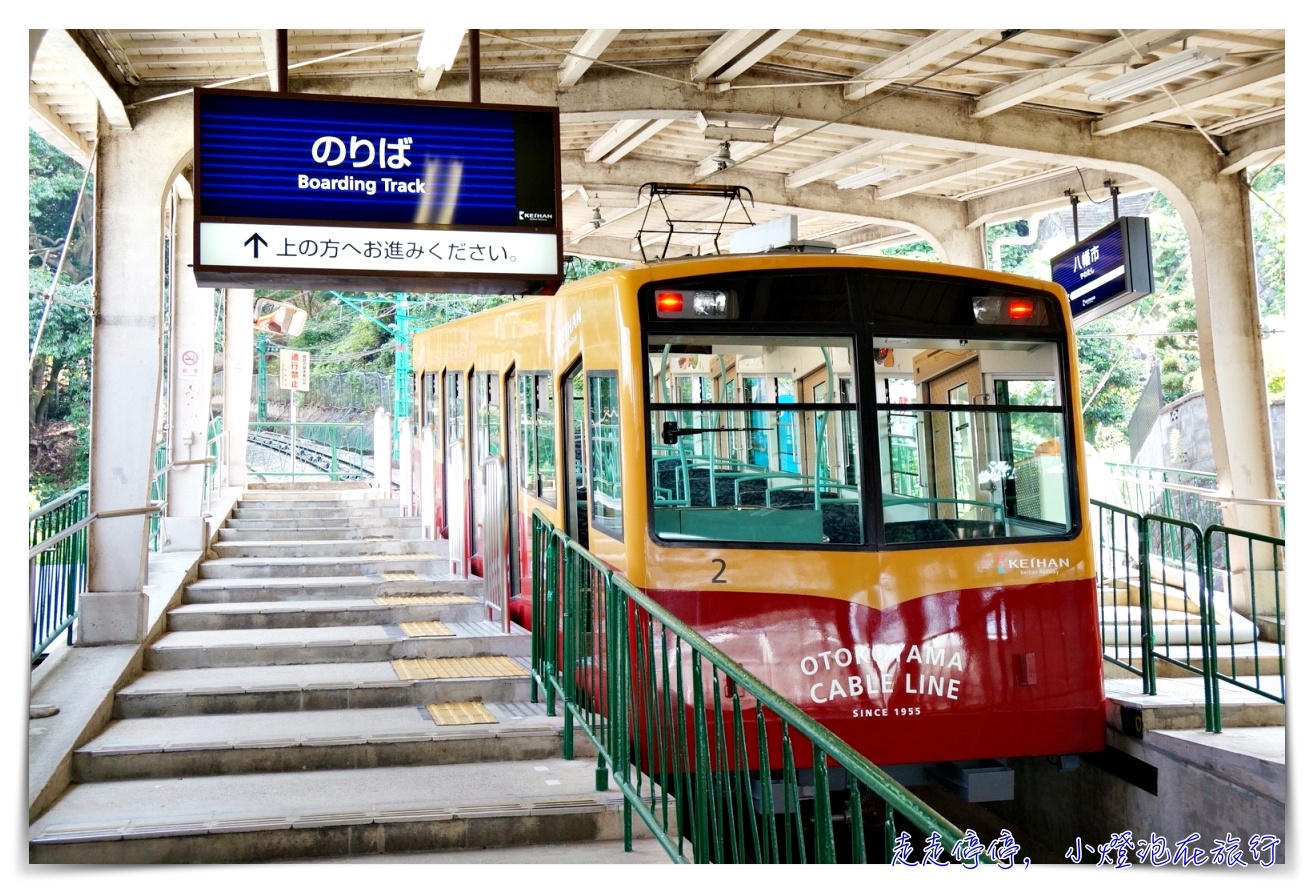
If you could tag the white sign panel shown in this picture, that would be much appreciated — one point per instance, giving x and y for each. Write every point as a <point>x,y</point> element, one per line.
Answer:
<point>294,370</point>
<point>371,249</point>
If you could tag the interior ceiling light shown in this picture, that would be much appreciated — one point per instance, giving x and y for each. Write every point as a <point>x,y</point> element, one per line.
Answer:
<point>438,48</point>
<point>596,220</point>
<point>864,178</point>
<point>1155,74</point>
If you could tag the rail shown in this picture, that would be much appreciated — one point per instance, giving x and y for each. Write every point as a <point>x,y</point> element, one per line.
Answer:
<point>1164,491</point>
<point>57,563</point>
<point>1167,590</point>
<point>689,736</point>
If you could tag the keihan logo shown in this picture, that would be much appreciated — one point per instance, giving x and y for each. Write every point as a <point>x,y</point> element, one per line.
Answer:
<point>1032,565</point>
<point>536,216</point>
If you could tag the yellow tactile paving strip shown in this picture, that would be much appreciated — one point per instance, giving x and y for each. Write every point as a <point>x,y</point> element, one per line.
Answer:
<point>418,628</point>
<point>461,713</point>
<point>439,599</point>
<point>456,667</point>
<point>392,576</point>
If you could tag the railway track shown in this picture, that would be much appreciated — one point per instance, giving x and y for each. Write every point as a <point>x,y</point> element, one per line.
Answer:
<point>350,465</point>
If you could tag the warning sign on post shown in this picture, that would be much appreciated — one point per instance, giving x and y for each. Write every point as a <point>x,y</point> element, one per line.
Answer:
<point>294,370</point>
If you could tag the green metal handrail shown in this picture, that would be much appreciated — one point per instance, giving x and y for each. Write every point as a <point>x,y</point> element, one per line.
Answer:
<point>1121,556</point>
<point>1140,552</point>
<point>57,575</point>
<point>688,735</point>
<point>1264,561</point>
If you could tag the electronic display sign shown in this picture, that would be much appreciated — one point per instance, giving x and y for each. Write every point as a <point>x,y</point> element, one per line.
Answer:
<point>1106,270</point>
<point>311,191</point>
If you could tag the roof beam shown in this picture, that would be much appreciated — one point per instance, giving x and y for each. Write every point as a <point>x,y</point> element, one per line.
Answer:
<point>1255,146</point>
<point>942,174</point>
<point>582,56</point>
<point>856,155</point>
<point>620,132</point>
<point>51,127</point>
<point>269,48</point>
<point>1225,85</point>
<point>647,131</point>
<point>734,52</point>
<point>88,69</point>
<point>1031,86</point>
<point>922,54</point>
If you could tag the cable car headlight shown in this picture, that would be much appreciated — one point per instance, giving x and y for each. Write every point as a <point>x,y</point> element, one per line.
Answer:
<point>695,304</point>
<point>1008,310</point>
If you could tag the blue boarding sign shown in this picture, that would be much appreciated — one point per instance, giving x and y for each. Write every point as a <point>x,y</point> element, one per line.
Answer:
<point>1106,270</point>
<point>304,190</point>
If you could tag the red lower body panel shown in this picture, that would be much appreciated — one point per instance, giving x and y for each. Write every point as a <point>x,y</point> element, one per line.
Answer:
<point>1004,672</point>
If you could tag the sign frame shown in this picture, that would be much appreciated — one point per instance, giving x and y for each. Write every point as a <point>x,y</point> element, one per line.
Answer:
<point>449,255</point>
<point>1121,270</point>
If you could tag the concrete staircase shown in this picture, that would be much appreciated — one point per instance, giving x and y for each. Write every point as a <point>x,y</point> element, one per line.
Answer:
<point>325,689</point>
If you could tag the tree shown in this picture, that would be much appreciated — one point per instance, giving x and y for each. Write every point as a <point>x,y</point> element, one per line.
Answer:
<point>59,380</point>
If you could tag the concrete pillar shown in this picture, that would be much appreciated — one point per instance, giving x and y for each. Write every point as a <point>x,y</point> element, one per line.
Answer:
<point>191,369</point>
<point>133,175</point>
<point>239,351</point>
<point>1231,359</point>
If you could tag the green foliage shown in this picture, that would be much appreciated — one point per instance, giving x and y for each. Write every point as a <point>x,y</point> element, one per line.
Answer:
<point>1268,208</point>
<point>579,267</point>
<point>53,180</point>
<point>59,385</point>
<point>912,251</point>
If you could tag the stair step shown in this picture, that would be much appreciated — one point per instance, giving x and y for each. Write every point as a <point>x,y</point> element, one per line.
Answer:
<point>329,686</point>
<point>341,549</point>
<point>320,520</point>
<point>252,589</point>
<point>263,533</point>
<point>169,747</point>
<point>336,512</point>
<point>282,815</point>
<point>325,612</point>
<point>306,645</point>
<point>326,566</point>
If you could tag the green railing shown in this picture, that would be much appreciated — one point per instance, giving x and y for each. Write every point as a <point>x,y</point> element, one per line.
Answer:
<point>1257,591</point>
<point>159,491</point>
<point>57,566</point>
<point>1166,591</point>
<point>689,737</point>
<point>336,450</point>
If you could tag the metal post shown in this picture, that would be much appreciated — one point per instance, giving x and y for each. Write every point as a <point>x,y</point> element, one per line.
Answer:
<point>1076,228</point>
<point>262,377</point>
<point>292,399</point>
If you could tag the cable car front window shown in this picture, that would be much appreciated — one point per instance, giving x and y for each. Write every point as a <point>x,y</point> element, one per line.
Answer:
<point>748,440</point>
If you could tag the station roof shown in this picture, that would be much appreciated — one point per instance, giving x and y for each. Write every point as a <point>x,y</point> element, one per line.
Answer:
<point>851,130</point>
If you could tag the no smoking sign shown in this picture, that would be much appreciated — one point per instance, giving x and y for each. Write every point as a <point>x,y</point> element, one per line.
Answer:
<point>189,363</point>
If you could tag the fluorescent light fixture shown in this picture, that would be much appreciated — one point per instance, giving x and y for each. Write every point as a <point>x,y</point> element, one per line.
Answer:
<point>865,178</point>
<point>438,48</point>
<point>1164,71</point>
